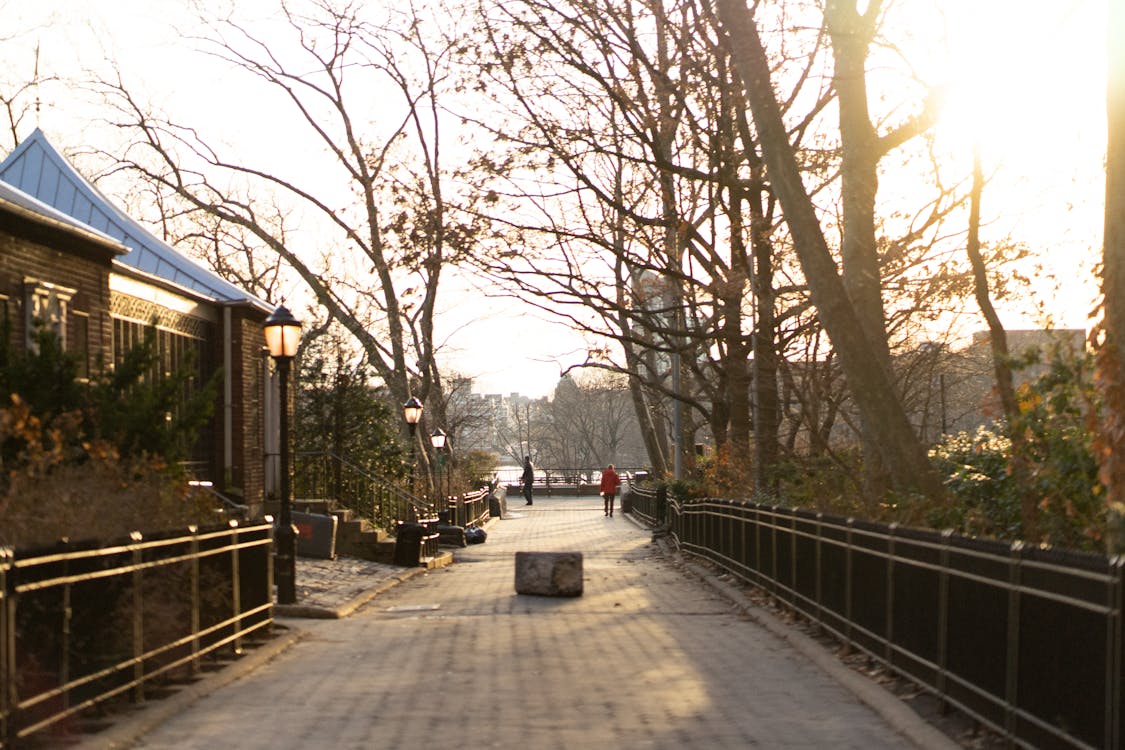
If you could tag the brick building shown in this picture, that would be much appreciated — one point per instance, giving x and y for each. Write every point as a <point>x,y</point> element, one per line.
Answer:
<point>72,260</point>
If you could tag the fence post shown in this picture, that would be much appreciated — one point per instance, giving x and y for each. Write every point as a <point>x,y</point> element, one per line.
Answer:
<point>758,541</point>
<point>1012,665</point>
<point>848,588</point>
<point>943,622</point>
<point>269,565</point>
<point>7,646</point>
<point>819,572</point>
<point>196,667</point>
<point>773,552</point>
<point>793,561</point>
<point>747,514</point>
<point>1115,673</point>
<point>236,585</point>
<point>888,651</point>
<point>138,619</point>
<point>65,635</point>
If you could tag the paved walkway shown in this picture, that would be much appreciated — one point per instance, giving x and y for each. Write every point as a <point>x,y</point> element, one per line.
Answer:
<point>648,657</point>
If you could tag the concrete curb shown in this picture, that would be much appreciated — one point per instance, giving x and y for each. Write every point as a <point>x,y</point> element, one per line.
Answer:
<point>347,608</point>
<point>897,714</point>
<point>126,730</point>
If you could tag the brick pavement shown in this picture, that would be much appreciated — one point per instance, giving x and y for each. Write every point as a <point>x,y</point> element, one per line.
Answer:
<point>648,657</point>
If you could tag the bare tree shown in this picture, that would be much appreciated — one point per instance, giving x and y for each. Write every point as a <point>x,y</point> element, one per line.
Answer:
<point>642,192</point>
<point>869,380</point>
<point>370,242</point>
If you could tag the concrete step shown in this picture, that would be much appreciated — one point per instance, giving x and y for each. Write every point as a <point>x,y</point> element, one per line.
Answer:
<point>440,560</point>
<point>313,505</point>
<point>366,544</point>
<point>359,528</point>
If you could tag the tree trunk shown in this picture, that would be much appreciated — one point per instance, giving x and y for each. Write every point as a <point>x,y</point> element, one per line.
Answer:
<point>1111,357</point>
<point>870,385</point>
<point>859,183</point>
<point>998,339</point>
<point>767,411</point>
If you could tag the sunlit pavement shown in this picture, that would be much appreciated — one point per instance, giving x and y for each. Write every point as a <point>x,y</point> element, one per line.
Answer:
<point>647,657</point>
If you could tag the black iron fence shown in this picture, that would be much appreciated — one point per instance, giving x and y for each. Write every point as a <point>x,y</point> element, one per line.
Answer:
<point>384,502</point>
<point>563,481</point>
<point>1027,640</point>
<point>83,625</point>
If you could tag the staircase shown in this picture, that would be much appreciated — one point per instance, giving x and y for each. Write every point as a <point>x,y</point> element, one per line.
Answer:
<point>365,506</point>
<point>355,536</point>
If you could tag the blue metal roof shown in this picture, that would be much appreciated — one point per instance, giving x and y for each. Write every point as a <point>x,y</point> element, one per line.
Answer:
<point>14,200</point>
<point>36,168</point>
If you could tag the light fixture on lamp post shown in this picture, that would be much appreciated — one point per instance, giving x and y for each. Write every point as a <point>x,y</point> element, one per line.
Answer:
<point>283,336</point>
<point>412,412</point>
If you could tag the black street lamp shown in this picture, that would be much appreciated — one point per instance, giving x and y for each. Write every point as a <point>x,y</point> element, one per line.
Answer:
<point>283,336</point>
<point>412,412</point>
<point>437,440</point>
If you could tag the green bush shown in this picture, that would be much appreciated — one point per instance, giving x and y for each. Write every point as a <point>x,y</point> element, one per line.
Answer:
<point>99,459</point>
<point>1059,471</point>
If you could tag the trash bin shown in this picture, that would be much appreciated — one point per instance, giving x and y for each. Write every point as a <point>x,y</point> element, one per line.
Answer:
<point>408,544</point>
<point>316,535</point>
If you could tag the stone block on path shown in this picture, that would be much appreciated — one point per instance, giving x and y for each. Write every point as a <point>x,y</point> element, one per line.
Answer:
<point>549,573</point>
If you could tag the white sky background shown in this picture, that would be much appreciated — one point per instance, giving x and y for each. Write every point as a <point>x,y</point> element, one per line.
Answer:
<point>1027,81</point>
<point>506,347</point>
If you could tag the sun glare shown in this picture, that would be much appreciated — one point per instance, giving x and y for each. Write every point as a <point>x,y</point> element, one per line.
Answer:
<point>1025,80</point>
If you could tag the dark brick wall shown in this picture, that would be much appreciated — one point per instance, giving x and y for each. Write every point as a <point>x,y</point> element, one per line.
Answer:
<point>87,269</point>
<point>248,444</point>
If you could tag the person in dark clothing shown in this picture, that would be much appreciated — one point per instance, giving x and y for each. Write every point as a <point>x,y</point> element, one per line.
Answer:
<point>528,479</point>
<point>609,485</point>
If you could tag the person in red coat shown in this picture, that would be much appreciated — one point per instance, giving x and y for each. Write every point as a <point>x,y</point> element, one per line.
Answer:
<point>610,483</point>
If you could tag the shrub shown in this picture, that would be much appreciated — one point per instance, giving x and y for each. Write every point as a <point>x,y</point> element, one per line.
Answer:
<point>1056,448</point>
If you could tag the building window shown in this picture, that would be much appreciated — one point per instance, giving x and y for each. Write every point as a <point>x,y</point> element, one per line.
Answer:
<point>46,306</point>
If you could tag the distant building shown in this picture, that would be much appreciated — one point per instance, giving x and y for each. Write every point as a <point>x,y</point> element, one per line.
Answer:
<point>965,395</point>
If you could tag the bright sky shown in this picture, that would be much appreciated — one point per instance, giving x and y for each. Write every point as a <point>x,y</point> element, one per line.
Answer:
<point>1027,83</point>
<point>1026,78</point>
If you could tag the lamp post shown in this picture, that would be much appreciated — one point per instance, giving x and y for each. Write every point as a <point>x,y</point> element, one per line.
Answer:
<point>412,412</point>
<point>283,336</point>
<point>437,440</point>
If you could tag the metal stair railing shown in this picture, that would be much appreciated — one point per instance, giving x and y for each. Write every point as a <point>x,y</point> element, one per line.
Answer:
<point>382,501</point>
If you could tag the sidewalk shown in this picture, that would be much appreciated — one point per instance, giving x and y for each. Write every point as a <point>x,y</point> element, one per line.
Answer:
<point>331,589</point>
<point>650,656</point>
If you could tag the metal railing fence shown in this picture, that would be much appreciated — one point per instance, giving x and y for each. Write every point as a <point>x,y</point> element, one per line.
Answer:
<point>564,480</point>
<point>82,624</point>
<point>1027,640</point>
<point>469,508</point>
<point>384,502</point>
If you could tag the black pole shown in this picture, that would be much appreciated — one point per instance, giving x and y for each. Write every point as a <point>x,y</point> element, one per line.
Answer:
<point>287,532</point>
<point>413,456</point>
